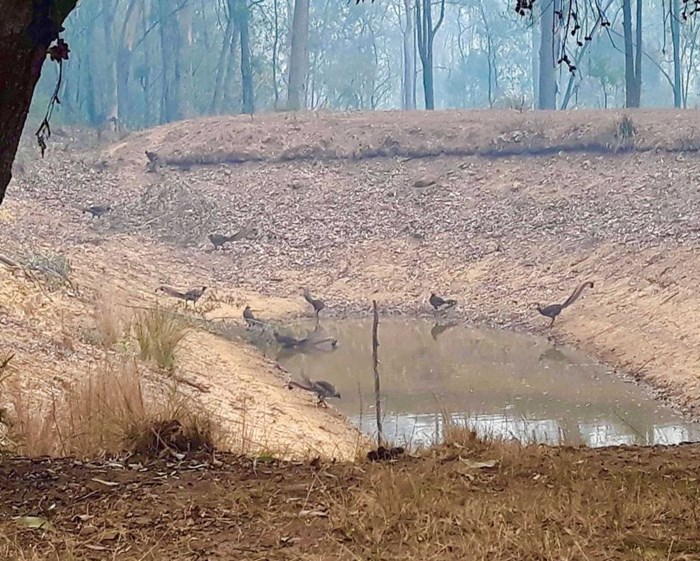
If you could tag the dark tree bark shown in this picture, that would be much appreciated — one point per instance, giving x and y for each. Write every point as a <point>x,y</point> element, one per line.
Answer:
<point>426,36</point>
<point>26,31</point>
<point>633,54</point>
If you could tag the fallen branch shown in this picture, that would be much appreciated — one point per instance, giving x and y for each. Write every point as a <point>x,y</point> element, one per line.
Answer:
<point>201,387</point>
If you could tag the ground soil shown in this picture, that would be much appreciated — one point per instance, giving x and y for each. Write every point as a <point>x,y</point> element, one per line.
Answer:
<point>457,503</point>
<point>496,209</point>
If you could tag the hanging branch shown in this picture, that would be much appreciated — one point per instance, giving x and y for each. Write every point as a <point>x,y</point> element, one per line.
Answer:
<point>690,8</point>
<point>58,53</point>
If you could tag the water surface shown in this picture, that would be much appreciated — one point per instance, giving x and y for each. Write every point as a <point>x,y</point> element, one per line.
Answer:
<point>502,383</point>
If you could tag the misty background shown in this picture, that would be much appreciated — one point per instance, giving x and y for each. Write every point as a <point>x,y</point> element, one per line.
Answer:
<point>148,62</point>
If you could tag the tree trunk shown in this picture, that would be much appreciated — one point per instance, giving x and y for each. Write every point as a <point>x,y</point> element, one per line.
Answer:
<point>126,43</point>
<point>230,101</point>
<point>111,99</point>
<point>182,28</point>
<point>170,48</point>
<point>216,97</point>
<point>243,17</point>
<point>549,47</point>
<point>298,59</point>
<point>26,31</point>
<point>633,59</point>
<point>145,78</point>
<point>408,83</point>
<point>275,49</point>
<point>428,86</point>
<point>491,56</point>
<point>426,36</point>
<point>535,65</point>
<point>676,40</point>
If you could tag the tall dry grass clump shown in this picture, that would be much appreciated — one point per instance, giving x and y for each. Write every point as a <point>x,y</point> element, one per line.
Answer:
<point>159,333</point>
<point>109,412</point>
<point>111,326</point>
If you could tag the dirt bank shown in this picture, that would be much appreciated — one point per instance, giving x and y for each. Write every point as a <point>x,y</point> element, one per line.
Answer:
<point>441,209</point>
<point>55,334</point>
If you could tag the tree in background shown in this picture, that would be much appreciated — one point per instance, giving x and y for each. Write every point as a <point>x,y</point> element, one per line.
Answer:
<point>143,62</point>
<point>299,57</point>
<point>426,36</point>
<point>548,54</point>
<point>633,54</point>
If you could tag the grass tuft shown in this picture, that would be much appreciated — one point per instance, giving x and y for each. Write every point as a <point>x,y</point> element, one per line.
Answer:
<point>107,413</point>
<point>55,268</point>
<point>111,327</point>
<point>159,334</point>
<point>179,431</point>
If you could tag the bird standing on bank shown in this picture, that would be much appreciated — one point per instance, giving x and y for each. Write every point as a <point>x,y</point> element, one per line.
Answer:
<point>191,295</point>
<point>249,317</point>
<point>324,390</point>
<point>440,303</point>
<point>553,310</point>
<point>317,304</point>
<point>97,211</point>
<point>219,240</point>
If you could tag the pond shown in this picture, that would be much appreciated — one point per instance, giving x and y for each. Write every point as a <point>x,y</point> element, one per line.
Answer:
<point>501,383</point>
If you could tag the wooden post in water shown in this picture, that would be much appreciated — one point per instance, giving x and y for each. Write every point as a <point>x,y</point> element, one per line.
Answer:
<point>375,365</point>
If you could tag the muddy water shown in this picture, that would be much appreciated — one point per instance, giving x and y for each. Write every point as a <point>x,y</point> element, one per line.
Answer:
<point>502,383</point>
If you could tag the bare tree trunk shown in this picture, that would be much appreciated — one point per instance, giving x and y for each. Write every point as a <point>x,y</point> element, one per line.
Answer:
<point>549,46</point>
<point>230,101</point>
<point>182,28</point>
<point>426,36</point>
<point>145,78</point>
<point>243,16</point>
<point>275,50</point>
<point>216,97</point>
<point>535,65</point>
<point>26,31</point>
<point>170,47</point>
<point>124,52</point>
<point>414,70</point>
<point>676,40</point>
<point>633,60</point>
<point>298,59</point>
<point>490,54</point>
<point>111,98</point>
<point>408,84</point>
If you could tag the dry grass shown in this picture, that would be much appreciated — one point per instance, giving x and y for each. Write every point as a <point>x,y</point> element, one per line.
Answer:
<point>53,267</point>
<point>159,333</point>
<point>111,326</point>
<point>516,502</point>
<point>175,430</point>
<point>107,413</point>
<point>510,502</point>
